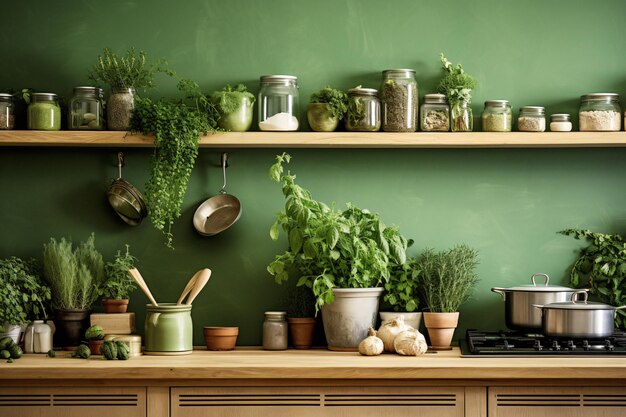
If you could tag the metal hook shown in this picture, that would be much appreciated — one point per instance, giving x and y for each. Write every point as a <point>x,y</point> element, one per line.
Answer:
<point>224,166</point>
<point>120,163</point>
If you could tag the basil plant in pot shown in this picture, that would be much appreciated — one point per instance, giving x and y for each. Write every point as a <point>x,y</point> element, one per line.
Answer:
<point>301,317</point>
<point>401,294</point>
<point>447,279</point>
<point>118,286</point>
<point>235,108</point>
<point>343,257</point>
<point>326,108</point>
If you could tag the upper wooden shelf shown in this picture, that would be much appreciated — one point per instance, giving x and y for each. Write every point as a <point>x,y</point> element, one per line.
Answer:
<point>326,140</point>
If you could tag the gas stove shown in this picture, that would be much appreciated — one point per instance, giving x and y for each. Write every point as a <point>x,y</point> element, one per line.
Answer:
<point>507,343</point>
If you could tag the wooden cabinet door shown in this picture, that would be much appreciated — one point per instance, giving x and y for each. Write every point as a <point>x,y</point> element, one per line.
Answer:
<point>557,402</point>
<point>73,402</point>
<point>318,402</point>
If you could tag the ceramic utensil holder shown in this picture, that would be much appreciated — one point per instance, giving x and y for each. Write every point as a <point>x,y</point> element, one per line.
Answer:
<point>168,329</point>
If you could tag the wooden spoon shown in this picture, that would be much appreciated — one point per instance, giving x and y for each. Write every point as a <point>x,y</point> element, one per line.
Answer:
<point>142,284</point>
<point>188,287</point>
<point>201,281</point>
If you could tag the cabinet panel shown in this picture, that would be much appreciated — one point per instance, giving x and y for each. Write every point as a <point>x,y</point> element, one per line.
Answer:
<point>557,402</point>
<point>73,402</point>
<point>317,402</point>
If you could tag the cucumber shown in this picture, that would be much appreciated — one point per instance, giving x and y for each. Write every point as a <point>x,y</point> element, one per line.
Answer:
<point>15,351</point>
<point>5,354</point>
<point>5,342</point>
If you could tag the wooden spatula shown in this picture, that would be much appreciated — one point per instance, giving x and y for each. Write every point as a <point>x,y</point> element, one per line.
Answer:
<point>142,284</point>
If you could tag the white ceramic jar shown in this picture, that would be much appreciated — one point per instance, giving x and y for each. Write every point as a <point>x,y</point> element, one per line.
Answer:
<point>38,338</point>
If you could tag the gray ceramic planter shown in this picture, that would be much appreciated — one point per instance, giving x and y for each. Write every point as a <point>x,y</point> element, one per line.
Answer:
<point>347,320</point>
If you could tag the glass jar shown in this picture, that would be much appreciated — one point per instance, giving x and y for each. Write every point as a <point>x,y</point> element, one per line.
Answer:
<point>43,112</point>
<point>461,117</point>
<point>7,112</point>
<point>435,114</point>
<point>86,109</point>
<point>600,112</point>
<point>497,116</point>
<point>531,119</point>
<point>400,100</point>
<point>120,108</point>
<point>278,103</point>
<point>363,110</point>
<point>275,330</point>
<point>560,122</point>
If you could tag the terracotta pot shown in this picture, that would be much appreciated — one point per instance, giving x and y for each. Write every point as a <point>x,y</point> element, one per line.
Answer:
<point>441,328</point>
<point>220,338</point>
<point>70,327</point>
<point>302,331</point>
<point>95,346</point>
<point>114,306</point>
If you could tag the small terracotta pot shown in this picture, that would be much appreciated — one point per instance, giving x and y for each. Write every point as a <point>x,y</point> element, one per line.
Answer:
<point>114,306</point>
<point>220,338</point>
<point>441,328</point>
<point>95,346</point>
<point>301,331</point>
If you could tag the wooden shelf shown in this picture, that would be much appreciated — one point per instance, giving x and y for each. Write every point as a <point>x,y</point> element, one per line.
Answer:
<point>326,140</point>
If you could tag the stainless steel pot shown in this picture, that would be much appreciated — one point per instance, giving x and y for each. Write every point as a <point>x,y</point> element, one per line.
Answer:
<point>518,301</point>
<point>578,318</point>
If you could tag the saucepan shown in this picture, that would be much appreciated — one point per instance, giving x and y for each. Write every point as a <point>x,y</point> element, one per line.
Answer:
<point>125,199</point>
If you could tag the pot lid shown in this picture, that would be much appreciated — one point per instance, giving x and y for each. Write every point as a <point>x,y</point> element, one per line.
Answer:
<point>538,287</point>
<point>579,302</point>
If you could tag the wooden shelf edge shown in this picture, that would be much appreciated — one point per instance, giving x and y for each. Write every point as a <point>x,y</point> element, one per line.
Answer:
<point>325,140</point>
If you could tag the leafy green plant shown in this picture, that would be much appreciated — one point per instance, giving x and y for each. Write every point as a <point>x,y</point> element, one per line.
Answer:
<point>300,302</point>
<point>125,71</point>
<point>74,275</point>
<point>24,296</point>
<point>401,290</point>
<point>447,277</point>
<point>118,284</point>
<point>456,84</point>
<point>336,101</point>
<point>602,267</point>
<point>229,99</point>
<point>329,248</point>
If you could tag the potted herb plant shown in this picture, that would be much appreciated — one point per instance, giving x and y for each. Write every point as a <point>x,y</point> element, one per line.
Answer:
<point>601,266</point>
<point>401,294</point>
<point>24,296</point>
<point>235,108</point>
<point>301,317</point>
<point>95,337</point>
<point>118,284</point>
<point>74,276</point>
<point>446,280</point>
<point>326,108</point>
<point>457,86</point>
<point>125,74</point>
<point>344,257</point>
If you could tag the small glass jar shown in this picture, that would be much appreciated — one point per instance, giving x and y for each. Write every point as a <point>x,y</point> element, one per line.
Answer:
<point>435,114</point>
<point>400,100</point>
<point>363,110</point>
<point>278,103</point>
<point>7,112</point>
<point>531,119</point>
<point>461,117</point>
<point>560,122</point>
<point>275,330</point>
<point>497,116</point>
<point>85,112</point>
<point>600,112</point>
<point>43,112</point>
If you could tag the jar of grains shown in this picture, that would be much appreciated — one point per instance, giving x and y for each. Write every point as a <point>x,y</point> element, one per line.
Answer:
<point>531,119</point>
<point>278,103</point>
<point>363,110</point>
<point>560,122</point>
<point>600,112</point>
<point>43,112</point>
<point>275,330</point>
<point>7,111</point>
<point>497,116</point>
<point>86,109</point>
<point>400,100</point>
<point>435,114</point>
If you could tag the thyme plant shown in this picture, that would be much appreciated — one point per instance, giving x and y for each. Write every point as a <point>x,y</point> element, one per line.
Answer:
<point>125,71</point>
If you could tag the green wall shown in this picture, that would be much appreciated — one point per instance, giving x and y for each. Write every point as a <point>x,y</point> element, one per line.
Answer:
<point>508,204</point>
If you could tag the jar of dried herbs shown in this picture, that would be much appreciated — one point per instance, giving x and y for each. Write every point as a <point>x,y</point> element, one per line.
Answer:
<point>497,116</point>
<point>86,109</point>
<point>43,112</point>
<point>531,119</point>
<point>435,113</point>
<point>7,112</point>
<point>400,100</point>
<point>363,110</point>
<point>600,112</point>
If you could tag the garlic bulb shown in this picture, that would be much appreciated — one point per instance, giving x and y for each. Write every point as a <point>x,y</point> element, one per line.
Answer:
<point>389,330</point>
<point>371,345</point>
<point>410,343</point>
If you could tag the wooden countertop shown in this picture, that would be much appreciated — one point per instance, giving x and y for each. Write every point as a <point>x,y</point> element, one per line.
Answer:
<point>312,364</point>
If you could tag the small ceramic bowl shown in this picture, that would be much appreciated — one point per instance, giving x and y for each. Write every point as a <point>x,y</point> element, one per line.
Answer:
<point>220,338</point>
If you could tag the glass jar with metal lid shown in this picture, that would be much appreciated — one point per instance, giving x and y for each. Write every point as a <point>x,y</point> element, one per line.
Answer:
<point>497,116</point>
<point>363,110</point>
<point>85,112</point>
<point>43,112</point>
<point>600,112</point>
<point>531,119</point>
<point>560,122</point>
<point>435,113</point>
<point>7,111</point>
<point>400,100</point>
<point>278,103</point>
<point>275,330</point>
